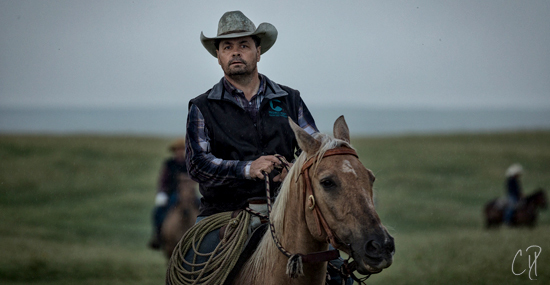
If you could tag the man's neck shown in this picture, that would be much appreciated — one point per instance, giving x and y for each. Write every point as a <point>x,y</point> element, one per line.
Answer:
<point>249,84</point>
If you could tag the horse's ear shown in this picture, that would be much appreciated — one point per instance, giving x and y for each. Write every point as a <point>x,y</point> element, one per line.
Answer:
<point>306,142</point>
<point>341,130</point>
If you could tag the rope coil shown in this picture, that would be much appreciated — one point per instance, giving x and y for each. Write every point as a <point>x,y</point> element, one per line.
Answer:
<point>220,261</point>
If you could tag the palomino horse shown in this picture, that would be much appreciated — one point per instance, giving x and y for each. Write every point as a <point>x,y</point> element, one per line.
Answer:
<point>338,207</point>
<point>525,214</point>
<point>181,217</point>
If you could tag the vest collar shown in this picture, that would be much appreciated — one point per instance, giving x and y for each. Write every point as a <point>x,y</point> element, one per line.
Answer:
<point>272,90</point>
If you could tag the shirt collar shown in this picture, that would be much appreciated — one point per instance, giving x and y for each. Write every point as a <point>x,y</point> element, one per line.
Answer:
<point>271,89</point>
<point>236,92</point>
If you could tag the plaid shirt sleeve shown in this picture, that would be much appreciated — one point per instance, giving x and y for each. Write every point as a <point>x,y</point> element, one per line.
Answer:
<point>202,165</point>
<point>305,119</point>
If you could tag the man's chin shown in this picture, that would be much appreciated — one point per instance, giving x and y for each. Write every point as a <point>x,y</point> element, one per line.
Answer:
<point>237,70</point>
<point>238,74</point>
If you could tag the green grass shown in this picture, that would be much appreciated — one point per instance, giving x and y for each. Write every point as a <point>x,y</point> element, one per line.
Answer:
<point>76,209</point>
<point>430,192</point>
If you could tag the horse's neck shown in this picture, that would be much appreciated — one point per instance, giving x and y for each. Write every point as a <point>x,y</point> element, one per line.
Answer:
<point>526,200</point>
<point>297,238</point>
<point>268,264</point>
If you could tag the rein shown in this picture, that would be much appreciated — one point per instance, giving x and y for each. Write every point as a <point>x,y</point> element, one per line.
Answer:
<point>294,266</point>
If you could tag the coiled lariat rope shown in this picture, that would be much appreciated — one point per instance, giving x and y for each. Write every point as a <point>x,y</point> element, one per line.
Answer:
<point>220,261</point>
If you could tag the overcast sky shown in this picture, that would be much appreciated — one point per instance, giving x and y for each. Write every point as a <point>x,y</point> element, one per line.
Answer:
<point>361,53</point>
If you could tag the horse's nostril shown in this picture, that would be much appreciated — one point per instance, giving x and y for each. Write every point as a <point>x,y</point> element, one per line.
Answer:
<point>390,246</point>
<point>372,249</point>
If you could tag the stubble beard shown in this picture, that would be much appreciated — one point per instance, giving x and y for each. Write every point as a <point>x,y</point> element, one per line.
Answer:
<point>241,74</point>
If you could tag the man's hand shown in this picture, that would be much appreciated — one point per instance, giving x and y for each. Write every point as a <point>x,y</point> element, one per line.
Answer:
<point>283,174</point>
<point>161,199</point>
<point>263,163</point>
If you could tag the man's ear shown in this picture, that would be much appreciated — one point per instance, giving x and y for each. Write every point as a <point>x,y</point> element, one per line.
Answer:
<point>259,50</point>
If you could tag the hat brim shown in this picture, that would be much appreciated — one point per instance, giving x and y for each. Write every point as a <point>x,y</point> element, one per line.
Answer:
<point>265,31</point>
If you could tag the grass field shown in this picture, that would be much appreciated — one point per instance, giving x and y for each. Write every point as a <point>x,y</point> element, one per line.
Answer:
<point>76,209</point>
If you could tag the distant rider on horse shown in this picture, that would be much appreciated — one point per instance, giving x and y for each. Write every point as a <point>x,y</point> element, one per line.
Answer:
<point>167,193</point>
<point>513,190</point>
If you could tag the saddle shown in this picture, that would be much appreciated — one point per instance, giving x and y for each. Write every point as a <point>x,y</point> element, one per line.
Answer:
<point>250,248</point>
<point>258,226</point>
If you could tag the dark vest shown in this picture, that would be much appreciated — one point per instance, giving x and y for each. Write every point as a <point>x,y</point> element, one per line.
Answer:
<point>234,135</point>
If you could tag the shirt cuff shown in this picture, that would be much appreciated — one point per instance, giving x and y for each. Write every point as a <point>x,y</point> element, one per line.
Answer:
<point>247,170</point>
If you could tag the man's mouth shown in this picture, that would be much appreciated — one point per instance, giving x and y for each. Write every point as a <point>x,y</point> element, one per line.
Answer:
<point>236,61</point>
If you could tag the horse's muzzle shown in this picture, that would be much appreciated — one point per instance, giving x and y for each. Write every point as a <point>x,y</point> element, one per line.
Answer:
<point>379,253</point>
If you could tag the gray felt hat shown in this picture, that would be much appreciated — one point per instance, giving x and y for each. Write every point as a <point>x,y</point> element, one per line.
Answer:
<point>235,24</point>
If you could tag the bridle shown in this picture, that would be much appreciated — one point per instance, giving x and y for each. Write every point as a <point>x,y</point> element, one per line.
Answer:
<point>347,268</point>
<point>308,192</point>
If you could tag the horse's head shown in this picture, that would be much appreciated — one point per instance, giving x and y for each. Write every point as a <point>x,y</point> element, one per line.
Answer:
<point>342,192</point>
<point>540,198</point>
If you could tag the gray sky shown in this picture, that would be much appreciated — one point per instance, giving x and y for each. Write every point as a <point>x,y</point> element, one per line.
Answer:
<point>361,53</point>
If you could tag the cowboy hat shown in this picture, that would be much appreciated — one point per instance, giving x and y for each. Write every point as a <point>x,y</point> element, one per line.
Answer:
<point>514,169</point>
<point>235,24</point>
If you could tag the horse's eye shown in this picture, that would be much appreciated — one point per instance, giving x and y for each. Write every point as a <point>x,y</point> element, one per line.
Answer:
<point>327,183</point>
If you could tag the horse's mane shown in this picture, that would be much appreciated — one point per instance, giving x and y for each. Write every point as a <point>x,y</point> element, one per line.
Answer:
<point>267,245</point>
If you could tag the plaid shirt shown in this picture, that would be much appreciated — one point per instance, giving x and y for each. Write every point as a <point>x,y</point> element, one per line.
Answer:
<point>251,107</point>
<point>209,170</point>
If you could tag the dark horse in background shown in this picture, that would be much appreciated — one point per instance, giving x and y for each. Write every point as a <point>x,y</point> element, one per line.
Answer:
<point>525,214</point>
<point>181,217</point>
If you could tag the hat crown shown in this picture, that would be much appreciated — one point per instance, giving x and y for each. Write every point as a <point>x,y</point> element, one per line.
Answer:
<point>235,22</point>
<point>514,170</point>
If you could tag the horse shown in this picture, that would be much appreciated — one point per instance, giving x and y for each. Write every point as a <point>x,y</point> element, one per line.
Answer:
<point>338,208</point>
<point>181,217</point>
<point>525,214</point>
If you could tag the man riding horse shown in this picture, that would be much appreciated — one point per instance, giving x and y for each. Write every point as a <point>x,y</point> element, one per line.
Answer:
<point>167,194</point>
<point>235,129</point>
<point>513,191</point>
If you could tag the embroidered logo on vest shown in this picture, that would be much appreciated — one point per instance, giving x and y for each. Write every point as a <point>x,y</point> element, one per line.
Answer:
<point>276,111</point>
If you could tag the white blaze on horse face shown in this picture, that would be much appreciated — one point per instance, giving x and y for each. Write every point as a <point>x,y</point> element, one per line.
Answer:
<point>347,168</point>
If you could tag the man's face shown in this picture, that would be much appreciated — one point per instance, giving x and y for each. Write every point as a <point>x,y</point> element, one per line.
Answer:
<point>239,56</point>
